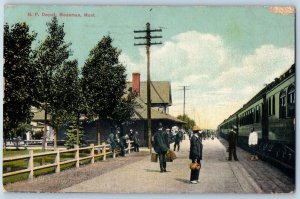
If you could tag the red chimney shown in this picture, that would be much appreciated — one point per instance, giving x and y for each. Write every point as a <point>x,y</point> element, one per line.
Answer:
<point>136,83</point>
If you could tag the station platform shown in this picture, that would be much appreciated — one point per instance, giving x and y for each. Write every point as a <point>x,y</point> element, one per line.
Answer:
<point>217,175</point>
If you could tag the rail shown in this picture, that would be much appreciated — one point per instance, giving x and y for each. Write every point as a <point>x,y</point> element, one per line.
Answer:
<point>103,151</point>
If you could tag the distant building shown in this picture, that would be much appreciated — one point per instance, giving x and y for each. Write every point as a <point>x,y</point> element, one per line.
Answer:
<point>161,99</point>
<point>37,124</point>
<point>161,96</point>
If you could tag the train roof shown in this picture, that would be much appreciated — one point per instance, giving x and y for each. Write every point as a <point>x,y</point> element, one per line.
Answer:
<point>268,87</point>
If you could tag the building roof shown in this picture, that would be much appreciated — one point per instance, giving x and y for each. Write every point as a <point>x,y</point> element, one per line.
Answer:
<point>140,113</point>
<point>39,115</point>
<point>160,92</point>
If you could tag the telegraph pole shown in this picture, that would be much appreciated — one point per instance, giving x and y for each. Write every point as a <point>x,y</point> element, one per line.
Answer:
<point>148,44</point>
<point>184,88</point>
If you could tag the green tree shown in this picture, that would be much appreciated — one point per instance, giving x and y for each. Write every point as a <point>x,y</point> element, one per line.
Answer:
<point>50,55</point>
<point>73,135</point>
<point>20,78</point>
<point>68,100</point>
<point>189,122</point>
<point>124,109</point>
<point>103,80</point>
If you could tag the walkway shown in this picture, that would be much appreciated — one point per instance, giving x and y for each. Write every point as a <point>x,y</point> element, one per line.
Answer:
<point>217,176</point>
<point>136,174</point>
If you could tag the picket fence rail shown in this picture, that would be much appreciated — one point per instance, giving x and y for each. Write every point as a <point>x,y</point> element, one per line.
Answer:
<point>104,148</point>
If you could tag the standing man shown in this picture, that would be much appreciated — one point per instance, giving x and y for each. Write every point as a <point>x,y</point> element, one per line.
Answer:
<point>190,133</point>
<point>178,139</point>
<point>136,141</point>
<point>170,136</point>
<point>195,153</point>
<point>112,141</point>
<point>252,141</point>
<point>161,146</point>
<point>131,134</point>
<point>232,140</point>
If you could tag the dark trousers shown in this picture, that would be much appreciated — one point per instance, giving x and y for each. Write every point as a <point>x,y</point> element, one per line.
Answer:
<point>195,173</point>
<point>162,161</point>
<point>232,151</point>
<point>122,149</point>
<point>253,149</point>
<point>177,144</point>
<point>136,147</point>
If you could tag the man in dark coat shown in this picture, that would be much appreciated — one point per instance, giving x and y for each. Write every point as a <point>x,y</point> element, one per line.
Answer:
<point>195,153</point>
<point>161,146</point>
<point>112,141</point>
<point>131,134</point>
<point>178,139</point>
<point>232,140</point>
<point>136,141</point>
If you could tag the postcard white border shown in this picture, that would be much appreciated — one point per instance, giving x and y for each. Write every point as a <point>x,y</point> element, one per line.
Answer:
<point>152,2</point>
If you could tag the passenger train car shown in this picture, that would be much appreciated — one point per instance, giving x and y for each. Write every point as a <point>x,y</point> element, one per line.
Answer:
<point>271,113</point>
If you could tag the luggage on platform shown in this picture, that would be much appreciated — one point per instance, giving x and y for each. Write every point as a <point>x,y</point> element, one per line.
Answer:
<point>154,157</point>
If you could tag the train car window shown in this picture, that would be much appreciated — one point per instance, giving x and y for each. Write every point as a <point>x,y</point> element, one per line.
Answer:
<point>291,101</point>
<point>282,104</point>
<point>257,115</point>
<point>269,106</point>
<point>252,115</point>
<point>273,105</point>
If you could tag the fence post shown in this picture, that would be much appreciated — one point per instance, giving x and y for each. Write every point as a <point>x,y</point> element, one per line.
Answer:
<point>77,155</point>
<point>104,150</point>
<point>31,164</point>
<point>92,153</point>
<point>114,153</point>
<point>57,161</point>
<point>129,146</point>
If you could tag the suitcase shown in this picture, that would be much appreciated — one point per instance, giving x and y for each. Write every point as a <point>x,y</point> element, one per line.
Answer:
<point>195,166</point>
<point>171,155</point>
<point>168,158</point>
<point>154,157</point>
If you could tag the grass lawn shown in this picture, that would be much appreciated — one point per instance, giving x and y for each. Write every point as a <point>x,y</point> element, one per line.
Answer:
<point>38,161</point>
<point>15,152</point>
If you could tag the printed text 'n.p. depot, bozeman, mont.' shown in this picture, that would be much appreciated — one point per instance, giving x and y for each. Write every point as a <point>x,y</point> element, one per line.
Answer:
<point>59,14</point>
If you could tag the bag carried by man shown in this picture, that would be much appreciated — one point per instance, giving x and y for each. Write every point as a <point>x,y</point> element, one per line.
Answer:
<point>195,166</point>
<point>154,157</point>
<point>170,156</point>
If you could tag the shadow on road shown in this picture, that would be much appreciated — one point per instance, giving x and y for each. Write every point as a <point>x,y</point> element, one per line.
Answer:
<point>152,170</point>
<point>183,180</point>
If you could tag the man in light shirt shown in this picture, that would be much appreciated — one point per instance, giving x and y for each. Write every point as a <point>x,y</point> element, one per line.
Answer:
<point>253,139</point>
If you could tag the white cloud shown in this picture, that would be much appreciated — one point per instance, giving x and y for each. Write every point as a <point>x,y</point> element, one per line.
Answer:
<point>266,63</point>
<point>218,84</point>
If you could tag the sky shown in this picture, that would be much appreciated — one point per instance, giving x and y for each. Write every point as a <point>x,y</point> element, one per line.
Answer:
<point>225,55</point>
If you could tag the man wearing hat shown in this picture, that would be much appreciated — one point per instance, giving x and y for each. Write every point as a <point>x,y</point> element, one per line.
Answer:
<point>161,146</point>
<point>136,141</point>
<point>170,136</point>
<point>131,134</point>
<point>195,153</point>
<point>232,140</point>
<point>177,140</point>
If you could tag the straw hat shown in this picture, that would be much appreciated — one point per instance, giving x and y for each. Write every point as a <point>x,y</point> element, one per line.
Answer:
<point>196,128</point>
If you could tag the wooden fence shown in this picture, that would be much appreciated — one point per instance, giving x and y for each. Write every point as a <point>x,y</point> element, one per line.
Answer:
<point>103,151</point>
